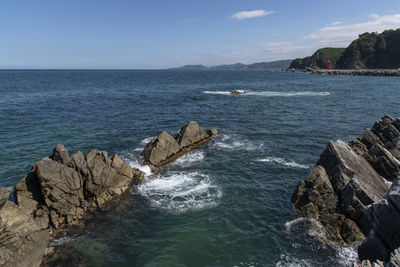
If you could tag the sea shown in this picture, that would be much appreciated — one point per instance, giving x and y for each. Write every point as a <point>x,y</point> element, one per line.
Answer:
<point>226,203</point>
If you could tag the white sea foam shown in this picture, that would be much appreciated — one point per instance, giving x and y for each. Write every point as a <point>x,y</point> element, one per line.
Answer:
<point>284,162</point>
<point>314,227</point>
<point>190,158</point>
<point>147,140</point>
<point>234,142</point>
<point>144,168</point>
<point>288,261</point>
<point>273,93</point>
<point>288,94</point>
<point>347,255</point>
<point>218,92</point>
<point>181,191</point>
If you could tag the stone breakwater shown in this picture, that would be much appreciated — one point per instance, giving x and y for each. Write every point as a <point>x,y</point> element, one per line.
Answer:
<point>58,192</point>
<point>166,148</point>
<point>369,72</point>
<point>353,72</point>
<point>349,177</point>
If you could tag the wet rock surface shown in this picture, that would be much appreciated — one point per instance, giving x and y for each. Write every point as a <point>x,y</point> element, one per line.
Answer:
<point>349,177</point>
<point>166,148</point>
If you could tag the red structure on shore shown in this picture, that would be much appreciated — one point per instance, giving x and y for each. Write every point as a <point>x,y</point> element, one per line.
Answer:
<point>329,64</point>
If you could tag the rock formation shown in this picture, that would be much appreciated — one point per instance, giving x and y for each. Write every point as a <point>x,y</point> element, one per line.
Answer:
<point>384,237</point>
<point>57,193</point>
<point>166,148</point>
<point>347,178</point>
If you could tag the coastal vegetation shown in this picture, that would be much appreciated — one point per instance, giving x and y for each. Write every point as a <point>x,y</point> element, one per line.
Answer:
<point>369,51</point>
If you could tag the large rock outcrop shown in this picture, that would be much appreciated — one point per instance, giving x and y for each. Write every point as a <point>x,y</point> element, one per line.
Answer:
<point>349,177</point>
<point>60,188</point>
<point>57,193</point>
<point>166,148</point>
<point>384,237</point>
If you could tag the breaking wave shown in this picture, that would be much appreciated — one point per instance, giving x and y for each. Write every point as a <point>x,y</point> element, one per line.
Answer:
<point>179,192</point>
<point>190,158</point>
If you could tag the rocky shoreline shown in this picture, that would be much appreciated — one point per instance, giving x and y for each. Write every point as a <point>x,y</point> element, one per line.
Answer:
<point>346,188</point>
<point>352,72</point>
<point>60,192</point>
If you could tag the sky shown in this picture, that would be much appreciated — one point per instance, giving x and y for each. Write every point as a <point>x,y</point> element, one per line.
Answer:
<point>122,34</point>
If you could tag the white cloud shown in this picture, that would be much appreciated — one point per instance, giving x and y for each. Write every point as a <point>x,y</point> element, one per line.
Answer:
<point>286,47</point>
<point>242,15</point>
<point>335,23</point>
<point>342,35</point>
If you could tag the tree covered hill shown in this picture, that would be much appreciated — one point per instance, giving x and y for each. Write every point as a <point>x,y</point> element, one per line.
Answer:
<point>369,51</point>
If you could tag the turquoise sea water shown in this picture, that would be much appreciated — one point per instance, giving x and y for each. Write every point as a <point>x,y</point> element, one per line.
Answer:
<point>224,204</point>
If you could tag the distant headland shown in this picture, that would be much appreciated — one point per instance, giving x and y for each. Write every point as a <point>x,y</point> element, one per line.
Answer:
<point>370,51</point>
<point>279,64</point>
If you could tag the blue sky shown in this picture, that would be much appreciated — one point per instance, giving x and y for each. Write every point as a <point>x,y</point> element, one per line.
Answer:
<point>161,34</point>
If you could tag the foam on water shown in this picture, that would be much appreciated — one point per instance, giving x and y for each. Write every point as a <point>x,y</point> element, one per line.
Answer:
<point>179,192</point>
<point>147,140</point>
<point>288,261</point>
<point>234,142</point>
<point>347,255</point>
<point>288,94</point>
<point>284,162</point>
<point>144,168</point>
<point>272,93</point>
<point>217,92</point>
<point>190,158</point>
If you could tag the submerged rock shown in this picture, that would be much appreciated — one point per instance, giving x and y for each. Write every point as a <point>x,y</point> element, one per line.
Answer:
<point>347,178</point>
<point>166,148</point>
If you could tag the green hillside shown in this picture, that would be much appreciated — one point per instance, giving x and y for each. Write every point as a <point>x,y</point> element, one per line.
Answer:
<point>319,60</point>
<point>373,51</point>
<point>369,51</point>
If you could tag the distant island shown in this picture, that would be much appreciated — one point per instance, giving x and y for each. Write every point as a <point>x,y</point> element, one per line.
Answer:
<point>368,51</point>
<point>279,64</point>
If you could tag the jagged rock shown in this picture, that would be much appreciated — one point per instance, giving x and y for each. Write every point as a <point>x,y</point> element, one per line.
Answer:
<point>367,263</point>
<point>342,183</point>
<point>22,241</point>
<point>62,192</point>
<point>4,194</point>
<point>56,194</point>
<point>160,149</point>
<point>395,258</point>
<point>60,154</point>
<point>383,162</point>
<point>385,219</point>
<point>190,134</point>
<point>108,178</point>
<point>355,173</point>
<point>166,148</point>
<point>29,198</point>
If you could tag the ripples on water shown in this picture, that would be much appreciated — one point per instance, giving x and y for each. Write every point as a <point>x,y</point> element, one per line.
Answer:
<point>226,203</point>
